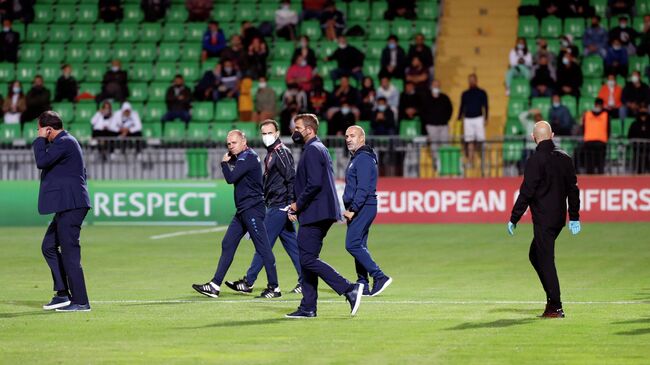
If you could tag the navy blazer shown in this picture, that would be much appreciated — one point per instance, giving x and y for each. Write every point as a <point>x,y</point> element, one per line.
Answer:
<point>316,197</point>
<point>63,175</point>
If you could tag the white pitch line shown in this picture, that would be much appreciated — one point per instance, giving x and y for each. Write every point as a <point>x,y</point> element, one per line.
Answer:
<point>367,301</point>
<point>187,233</point>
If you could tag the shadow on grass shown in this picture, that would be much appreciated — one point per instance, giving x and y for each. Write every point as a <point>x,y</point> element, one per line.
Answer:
<point>529,312</point>
<point>25,314</point>
<point>636,332</point>
<point>500,323</point>
<point>243,323</point>
<point>24,303</point>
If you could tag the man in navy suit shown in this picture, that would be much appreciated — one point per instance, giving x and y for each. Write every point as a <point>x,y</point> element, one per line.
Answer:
<point>316,208</point>
<point>64,192</point>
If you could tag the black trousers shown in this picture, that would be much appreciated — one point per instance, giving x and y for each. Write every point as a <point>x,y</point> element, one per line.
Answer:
<point>594,155</point>
<point>542,256</point>
<point>62,252</point>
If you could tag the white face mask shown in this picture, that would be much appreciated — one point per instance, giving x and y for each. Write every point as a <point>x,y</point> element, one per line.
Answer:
<point>556,104</point>
<point>303,63</point>
<point>435,91</point>
<point>262,85</point>
<point>635,79</point>
<point>342,45</point>
<point>268,139</point>
<point>345,110</point>
<point>115,68</point>
<point>566,61</point>
<point>611,83</point>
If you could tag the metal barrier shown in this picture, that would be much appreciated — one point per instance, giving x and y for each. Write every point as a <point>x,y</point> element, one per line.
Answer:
<point>125,159</point>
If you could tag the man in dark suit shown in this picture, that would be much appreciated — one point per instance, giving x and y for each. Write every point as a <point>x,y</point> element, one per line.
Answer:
<point>316,208</point>
<point>393,59</point>
<point>549,181</point>
<point>64,192</point>
<point>9,43</point>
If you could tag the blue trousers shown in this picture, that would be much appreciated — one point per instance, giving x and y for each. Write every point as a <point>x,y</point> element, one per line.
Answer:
<point>251,221</point>
<point>278,225</point>
<point>62,252</point>
<point>310,243</point>
<point>356,242</point>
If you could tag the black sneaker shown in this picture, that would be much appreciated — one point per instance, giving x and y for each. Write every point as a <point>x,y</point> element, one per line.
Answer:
<point>300,314</point>
<point>75,308</point>
<point>354,297</point>
<point>271,292</point>
<point>57,302</point>
<point>366,288</point>
<point>240,286</point>
<point>206,289</point>
<point>380,285</point>
<point>297,289</point>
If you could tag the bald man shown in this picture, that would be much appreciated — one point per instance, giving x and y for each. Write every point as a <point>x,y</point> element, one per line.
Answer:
<point>549,181</point>
<point>242,167</point>
<point>360,201</point>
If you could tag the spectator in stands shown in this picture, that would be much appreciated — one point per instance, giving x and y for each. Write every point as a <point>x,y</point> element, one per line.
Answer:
<point>595,38</point>
<point>318,97</point>
<point>313,9</point>
<point>214,41</point>
<point>569,76</point>
<point>422,52</point>
<point>435,114</point>
<point>248,32</point>
<point>305,51</point>
<point>519,71</point>
<point>616,61</point>
<point>410,103</point>
<point>66,86</point>
<point>256,58</point>
<point>105,123</point>
<point>265,100</point>
<point>596,130</point>
<point>344,93</point>
<point>286,119</point>
<point>300,73</point>
<point>389,92</point>
<point>245,100</point>
<point>332,21</point>
<point>543,81</point>
<point>611,94</point>
<point>542,51</point>
<point>294,94</point>
<point>14,105</point>
<point>198,10</point>
<point>342,119</point>
<point>349,61</point>
<point>639,133</point>
<point>578,9</point>
<point>208,87</point>
<point>368,98</point>
<point>417,75</point>
<point>9,43</point>
<point>129,122</point>
<point>21,10</point>
<point>400,9</point>
<point>114,83</point>
<point>286,20</point>
<point>235,52</point>
<point>179,101</point>
<point>383,122</point>
<point>636,93</point>
<point>620,6</point>
<point>37,100</point>
<point>473,111</point>
<point>393,59</point>
<point>110,11</point>
<point>520,52</point>
<point>551,8</point>
<point>560,118</point>
<point>567,46</point>
<point>625,34</point>
<point>229,80</point>
<point>644,44</point>
<point>154,10</point>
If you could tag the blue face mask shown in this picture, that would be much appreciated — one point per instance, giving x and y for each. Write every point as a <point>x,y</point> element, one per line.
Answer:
<point>381,108</point>
<point>392,45</point>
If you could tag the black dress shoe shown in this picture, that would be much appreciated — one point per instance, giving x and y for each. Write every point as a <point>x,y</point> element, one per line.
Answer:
<point>553,313</point>
<point>354,297</point>
<point>301,314</point>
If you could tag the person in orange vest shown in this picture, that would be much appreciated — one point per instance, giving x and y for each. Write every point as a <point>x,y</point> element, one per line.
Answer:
<point>596,131</point>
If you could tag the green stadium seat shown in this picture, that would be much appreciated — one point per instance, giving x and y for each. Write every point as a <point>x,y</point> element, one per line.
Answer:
<point>226,110</point>
<point>92,88</point>
<point>323,128</point>
<point>325,48</point>
<point>9,133</point>
<point>637,24</point>
<point>154,111</point>
<point>224,14</point>
<point>142,72</point>
<point>173,32</point>
<point>174,131</point>
<point>198,131</point>
<point>585,104</point>
<point>176,14</point>
<point>358,10</point>
<point>266,12</point>
<point>30,131</point>
<point>600,6</point>
<point>105,33</point>
<point>132,13</point>
<point>571,103</point>
<point>378,8</point>
<point>378,30</point>
<point>427,9</point>
<point>99,54</point>
<point>36,33</point>
<point>95,71</point>
<point>50,73</point>
<point>282,50</point>
<point>311,28</point>
<point>403,29</point>
<point>541,103</point>
<point>157,91</point>
<point>81,131</point>
<point>642,7</point>
<point>246,12</point>
<point>53,52</point>
<point>87,14</point>
<point>169,52</point>
<point>513,127</point>
<point>43,14</point>
<point>7,72</point>
<point>84,112</point>
<point>513,151</point>
<point>250,129</point>
<point>123,52</point>
<point>529,3</point>
<point>374,49</point>
<point>409,128</point>
<point>528,27</point>
<point>278,86</point>
<point>426,28</point>
<point>219,131</point>
<point>152,130</point>
<point>65,110</point>
<point>574,26</point>
<point>190,71</point>
<point>520,88</point>
<point>65,14</point>
<point>591,86</point>
<point>551,27</point>
<point>150,32</point>
<point>25,72</point>
<point>82,33</point>
<point>164,71</point>
<point>145,52</point>
<point>278,69</point>
<point>191,52</point>
<point>365,125</point>
<point>59,33</point>
<point>371,69</point>
<point>516,106</point>
<point>638,63</point>
<point>138,91</point>
<point>127,32</point>
<point>202,111</point>
<point>194,32</point>
<point>31,53</point>
<point>627,123</point>
<point>592,66</point>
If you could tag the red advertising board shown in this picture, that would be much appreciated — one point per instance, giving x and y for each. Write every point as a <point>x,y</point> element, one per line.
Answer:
<point>490,200</point>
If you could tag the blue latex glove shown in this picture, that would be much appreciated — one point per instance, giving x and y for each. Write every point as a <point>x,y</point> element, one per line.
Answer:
<point>511,228</point>
<point>574,226</point>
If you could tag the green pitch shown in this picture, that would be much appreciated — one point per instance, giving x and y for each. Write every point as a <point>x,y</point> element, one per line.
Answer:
<point>462,294</point>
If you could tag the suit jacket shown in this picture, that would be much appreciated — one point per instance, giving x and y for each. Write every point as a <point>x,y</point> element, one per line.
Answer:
<point>63,175</point>
<point>314,188</point>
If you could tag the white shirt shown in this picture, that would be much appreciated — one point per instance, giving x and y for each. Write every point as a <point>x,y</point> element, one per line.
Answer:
<point>516,54</point>
<point>284,17</point>
<point>132,122</point>
<point>100,123</point>
<point>392,97</point>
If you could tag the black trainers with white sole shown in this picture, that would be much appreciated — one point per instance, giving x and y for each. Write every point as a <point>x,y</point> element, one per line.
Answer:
<point>208,289</point>
<point>297,289</point>
<point>380,285</point>
<point>354,298</point>
<point>270,293</point>
<point>57,302</point>
<point>240,286</point>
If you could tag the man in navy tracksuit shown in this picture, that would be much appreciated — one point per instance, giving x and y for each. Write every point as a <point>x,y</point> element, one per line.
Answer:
<point>241,166</point>
<point>316,208</point>
<point>63,191</point>
<point>279,176</point>
<point>360,200</point>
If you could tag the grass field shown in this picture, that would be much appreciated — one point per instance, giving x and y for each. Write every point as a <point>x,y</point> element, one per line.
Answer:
<point>463,294</point>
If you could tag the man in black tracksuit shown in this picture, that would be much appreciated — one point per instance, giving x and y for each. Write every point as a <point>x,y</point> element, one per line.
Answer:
<point>549,181</point>
<point>279,176</point>
<point>241,167</point>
